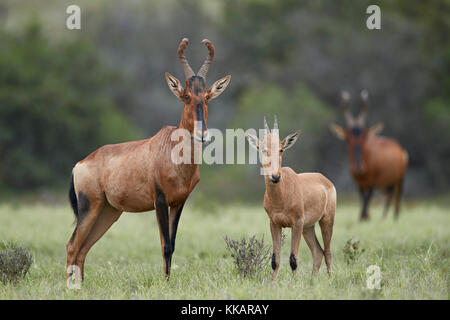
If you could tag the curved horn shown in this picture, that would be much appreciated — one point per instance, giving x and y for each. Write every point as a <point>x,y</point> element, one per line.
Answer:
<point>209,59</point>
<point>184,63</point>
<point>362,116</point>
<point>345,98</point>
<point>275,124</point>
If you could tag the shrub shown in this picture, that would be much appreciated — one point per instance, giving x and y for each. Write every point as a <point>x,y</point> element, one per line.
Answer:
<point>352,250</point>
<point>250,255</point>
<point>14,264</point>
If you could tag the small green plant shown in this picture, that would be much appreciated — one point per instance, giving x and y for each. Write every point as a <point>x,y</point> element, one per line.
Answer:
<point>250,255</point>
<point>14,264</point>
<point>352,250</point>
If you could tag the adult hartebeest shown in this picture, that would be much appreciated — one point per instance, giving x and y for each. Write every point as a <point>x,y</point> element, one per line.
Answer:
<point>375,161</point>
<point>140,176</point>
<point>295,201</point>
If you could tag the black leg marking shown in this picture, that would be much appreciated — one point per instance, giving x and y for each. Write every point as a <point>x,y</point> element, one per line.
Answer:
<point>175,226</point>
<point>293,262</point>
<point>162,216</point>
<point>366,198</point>
<point>83,206</point>
<point>274,261</point>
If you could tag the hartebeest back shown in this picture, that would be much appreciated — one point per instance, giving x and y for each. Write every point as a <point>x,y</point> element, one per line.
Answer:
<point>375,161</point>
<point>295,201</point>
<point>140,176</point>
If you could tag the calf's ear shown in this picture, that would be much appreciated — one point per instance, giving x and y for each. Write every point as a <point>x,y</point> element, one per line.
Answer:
<point>252,140</point>
<point>289,140</point>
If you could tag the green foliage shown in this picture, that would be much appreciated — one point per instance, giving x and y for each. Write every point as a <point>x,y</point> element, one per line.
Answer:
<point>14,264</point>
<point>55,108</point>
<point>126,263</point>
<point>250,255</point>
<point>352,250</point>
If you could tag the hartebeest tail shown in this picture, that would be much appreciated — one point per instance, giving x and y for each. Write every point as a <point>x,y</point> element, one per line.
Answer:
<point>296,201</point>
<point>73,198</point>
<point>375,161</point>
<point>140,175</point>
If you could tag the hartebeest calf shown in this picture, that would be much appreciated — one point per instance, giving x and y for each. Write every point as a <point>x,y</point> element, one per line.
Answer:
<point>375,161</point>
<point>140,176</point>
<point>295,201</point>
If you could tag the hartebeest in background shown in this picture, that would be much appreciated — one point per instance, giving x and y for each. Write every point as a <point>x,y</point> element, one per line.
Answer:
<point>295,201</point>
<point>375,161</point>
<point>139,176</point>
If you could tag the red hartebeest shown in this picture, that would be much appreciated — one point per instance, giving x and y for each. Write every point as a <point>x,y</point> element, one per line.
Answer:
<point>295,201</point>
<point>375,161</point>
<point>139,176</point>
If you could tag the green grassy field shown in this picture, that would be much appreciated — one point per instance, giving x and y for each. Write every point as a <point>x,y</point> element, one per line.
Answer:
<point>412,253</point>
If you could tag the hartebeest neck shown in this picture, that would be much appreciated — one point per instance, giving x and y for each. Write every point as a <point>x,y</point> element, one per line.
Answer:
<point>274,192</point>
<point>186,123</point>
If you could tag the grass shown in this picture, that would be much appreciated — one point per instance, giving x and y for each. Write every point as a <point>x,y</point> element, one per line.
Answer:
<point>412,253</point>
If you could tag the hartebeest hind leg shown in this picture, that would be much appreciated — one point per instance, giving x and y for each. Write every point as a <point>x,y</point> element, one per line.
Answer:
<point>326,227</point>
<point>275,230</point>
<point>88,211</point>
<point>316,250</point>
<point>105,220</point>
<point>389,194</point>
<point>398,189</point>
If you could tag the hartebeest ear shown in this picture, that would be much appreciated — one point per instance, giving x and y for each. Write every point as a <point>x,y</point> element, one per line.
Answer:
<point>375,129</point>
<point>338,131</point>
<point>289,140</point>
<point>252,140</point>
<point>175,86</point>
<point>218,87</point>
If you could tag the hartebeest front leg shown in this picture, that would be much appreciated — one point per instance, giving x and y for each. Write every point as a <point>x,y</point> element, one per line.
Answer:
<point>297,231</point>
<point>366,195</point>
<point>174,218</point>
<point>162,216</point>
<point>275,230</point>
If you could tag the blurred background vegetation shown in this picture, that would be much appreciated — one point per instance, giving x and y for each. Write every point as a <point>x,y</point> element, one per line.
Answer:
<point>64,93</point>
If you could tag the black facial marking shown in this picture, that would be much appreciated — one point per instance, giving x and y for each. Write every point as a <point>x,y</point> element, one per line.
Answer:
<point>356,131</point>
<point>196,85</point>
<point>274,261</point>
<point>199,111</point>
<point>293,262</point>
<point>162,216</point>
<point>83,206</point>
<point>357,154</point>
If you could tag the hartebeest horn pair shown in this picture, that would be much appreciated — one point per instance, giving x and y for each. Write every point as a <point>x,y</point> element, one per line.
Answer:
<point>140,176</point>
<point>266,127</point>
<point>184,63</point>
<point>351,121</point>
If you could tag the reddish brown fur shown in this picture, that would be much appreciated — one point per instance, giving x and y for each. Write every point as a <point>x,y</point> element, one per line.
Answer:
<point>139,176</point>
<point>383,161</point>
